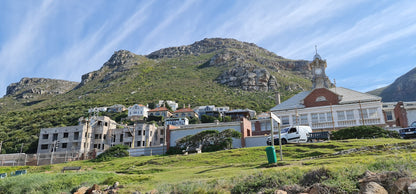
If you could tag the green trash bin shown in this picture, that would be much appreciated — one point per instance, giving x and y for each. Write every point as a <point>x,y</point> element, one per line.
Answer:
<point>271,154</point>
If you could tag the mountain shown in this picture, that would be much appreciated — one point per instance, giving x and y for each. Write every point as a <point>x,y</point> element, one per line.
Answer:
<point>402,89</point>
<point>34,88</point>
<point>223,72</point>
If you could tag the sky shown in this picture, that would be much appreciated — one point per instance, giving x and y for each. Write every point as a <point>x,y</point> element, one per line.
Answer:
<point>367,43</point>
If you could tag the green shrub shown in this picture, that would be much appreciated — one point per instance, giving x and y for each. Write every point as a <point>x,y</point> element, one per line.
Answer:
<point>363,132</point>
<point>114,152</point>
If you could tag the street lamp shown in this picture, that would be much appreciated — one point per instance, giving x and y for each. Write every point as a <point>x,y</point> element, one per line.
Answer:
<point>55,145</point>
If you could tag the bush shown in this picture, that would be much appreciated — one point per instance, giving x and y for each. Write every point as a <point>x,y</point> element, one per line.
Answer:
<point>117,151</point>
<point>211,140</point>
<point>364,132</point>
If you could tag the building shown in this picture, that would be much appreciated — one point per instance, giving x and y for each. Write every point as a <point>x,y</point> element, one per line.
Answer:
<point>176,121</point>
<point>137,112</point>
<point>329,108</point>
<point>399,114</point>
<point>211,110</point>
<point>172,104</point>
<point>237,114</point>
<point>160,111</point>
<point>185,112</point>
<point>116,108</point>
<point>97,109</point>
<point>98,134</point>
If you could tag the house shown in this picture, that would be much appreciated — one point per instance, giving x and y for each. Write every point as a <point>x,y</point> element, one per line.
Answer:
<point>137,112</point>
<point>237,114</point>
<point>399,114</point>
<point>185,112</point>
<point>329,108</point>
<point>176,121</point>
<point>172,104</point>
<point>96,135</point>
<point>116,108</point>
<point>211,110</point>
<point>160,111</point>
<point>97,109</point>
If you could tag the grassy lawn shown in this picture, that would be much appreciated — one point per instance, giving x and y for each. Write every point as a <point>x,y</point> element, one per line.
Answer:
<point>222,171</point>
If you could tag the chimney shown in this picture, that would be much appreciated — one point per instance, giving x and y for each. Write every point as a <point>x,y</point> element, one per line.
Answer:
<point>277,98</point>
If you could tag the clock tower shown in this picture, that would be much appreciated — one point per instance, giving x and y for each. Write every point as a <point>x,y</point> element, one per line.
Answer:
<point>317,66</point>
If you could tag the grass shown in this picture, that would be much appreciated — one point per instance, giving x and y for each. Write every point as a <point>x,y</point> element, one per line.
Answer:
<point>223,171</point>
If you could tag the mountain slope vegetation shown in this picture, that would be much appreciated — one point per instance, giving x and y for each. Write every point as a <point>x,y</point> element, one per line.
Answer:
<point>223,72</point>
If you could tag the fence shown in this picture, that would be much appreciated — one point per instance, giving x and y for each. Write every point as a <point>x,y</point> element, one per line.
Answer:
<point>23,159</point>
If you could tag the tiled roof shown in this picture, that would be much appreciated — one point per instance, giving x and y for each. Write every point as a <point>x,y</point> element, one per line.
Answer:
<point>347,96</point>
<point>158,109</point>
<point>184,110</point>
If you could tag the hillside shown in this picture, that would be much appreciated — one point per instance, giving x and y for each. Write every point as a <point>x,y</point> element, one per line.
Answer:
<point>223,72</point>
<point>237,170</point>
<point>402,89</point>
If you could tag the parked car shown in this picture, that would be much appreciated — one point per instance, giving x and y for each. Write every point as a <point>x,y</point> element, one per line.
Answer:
<point>293,134</point>
<point>409,132</point>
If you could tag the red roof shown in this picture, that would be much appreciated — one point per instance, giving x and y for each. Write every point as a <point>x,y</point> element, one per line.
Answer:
<point>158,109</point>
<point>184,110</point>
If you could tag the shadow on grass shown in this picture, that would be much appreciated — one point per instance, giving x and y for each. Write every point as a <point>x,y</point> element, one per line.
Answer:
<point>204,171</point>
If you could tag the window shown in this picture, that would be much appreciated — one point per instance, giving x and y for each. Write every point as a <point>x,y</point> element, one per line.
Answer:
<point>44,147</point>
<point>161,141</point>
<point>389,115</point>
<point>372,113</point>
<point>128,134</point>
<point>162,132</point>
<point>45,136</point>
<point>65,135</point>
<point>127,144</point>
<point>139,132</point>
<point>345,115</point>
<point>55,137</point>
<point>285,120</point>
<point>341,115</point>
<point>315,118</point>
<point>144,132</point>
<point>320,99</point>
<point>76,135</point>
<point>138,143</point>
<point>105,136</point>
<point>121,137</point>
<point>95,145</point>
<point>114,138</point>
<point>304,119</point>
<point>96,136</point>
<point>64,145</point>
<point>350,114</point>
<point>144,143</point>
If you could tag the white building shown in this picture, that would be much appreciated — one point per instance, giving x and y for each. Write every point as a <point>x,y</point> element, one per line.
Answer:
<point>325,108</point>
<point>138,112</point>
<point>173,105</point>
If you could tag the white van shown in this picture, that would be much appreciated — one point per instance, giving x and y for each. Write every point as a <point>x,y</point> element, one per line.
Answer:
<point>293,134</point>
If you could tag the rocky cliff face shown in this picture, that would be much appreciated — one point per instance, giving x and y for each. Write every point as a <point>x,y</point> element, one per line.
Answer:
<point>248,66</point>
<point>402,89</point>
<point>119,62</point>
<point>28,88</point>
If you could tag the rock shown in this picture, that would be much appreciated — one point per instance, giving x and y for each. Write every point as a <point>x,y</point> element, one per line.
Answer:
<point>81,190</point>
<point>320,189</point>
<point>280,192</point>
<point>401,185</point>
<point>385,179</point>
<point>28,88</point>
<point>412,188</point>
<point>373,188</point>
<point>115,185</point>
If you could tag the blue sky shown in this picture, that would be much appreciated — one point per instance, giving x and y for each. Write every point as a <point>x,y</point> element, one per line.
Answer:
<point>367,44</point>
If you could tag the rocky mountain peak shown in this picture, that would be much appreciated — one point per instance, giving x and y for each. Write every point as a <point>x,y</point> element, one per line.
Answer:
<point>119,58</point>
<point>28,88</point>
<point>206,45</point>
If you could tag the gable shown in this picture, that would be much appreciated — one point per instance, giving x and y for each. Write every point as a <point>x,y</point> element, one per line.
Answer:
<point>321,97</point>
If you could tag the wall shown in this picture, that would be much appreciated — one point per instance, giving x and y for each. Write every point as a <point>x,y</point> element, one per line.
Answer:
<point>147,151</point>
<point>256,141</point>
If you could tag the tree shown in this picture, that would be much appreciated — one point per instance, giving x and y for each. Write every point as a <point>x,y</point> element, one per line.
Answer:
<point>211,140</point>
